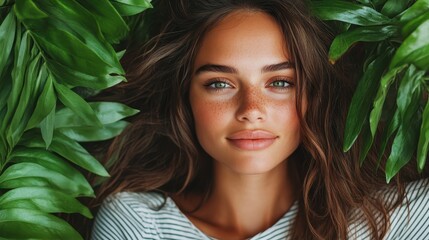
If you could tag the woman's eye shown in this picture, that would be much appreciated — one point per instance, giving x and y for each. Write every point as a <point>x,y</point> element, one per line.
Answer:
<point>280,84</point>
<point>218,85</point>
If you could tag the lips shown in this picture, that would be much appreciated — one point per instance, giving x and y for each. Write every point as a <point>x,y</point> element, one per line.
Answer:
<point>252,139</point>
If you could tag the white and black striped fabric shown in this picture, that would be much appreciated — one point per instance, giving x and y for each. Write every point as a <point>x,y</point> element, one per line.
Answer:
<point>129,215</point>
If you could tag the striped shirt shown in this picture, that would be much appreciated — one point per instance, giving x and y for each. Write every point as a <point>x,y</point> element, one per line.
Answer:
<point>129,215</point>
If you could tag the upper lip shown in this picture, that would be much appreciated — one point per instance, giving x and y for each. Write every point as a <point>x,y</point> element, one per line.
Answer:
<point>251,134</point>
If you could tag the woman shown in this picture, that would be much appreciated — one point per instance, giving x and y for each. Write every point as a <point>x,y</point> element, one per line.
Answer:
<point>240,135</point>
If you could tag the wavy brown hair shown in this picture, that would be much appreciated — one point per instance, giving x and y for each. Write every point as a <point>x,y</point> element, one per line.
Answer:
<point>159,151</point>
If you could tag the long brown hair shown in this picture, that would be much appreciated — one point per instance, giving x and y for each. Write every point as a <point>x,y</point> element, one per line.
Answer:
<point>160,152</point>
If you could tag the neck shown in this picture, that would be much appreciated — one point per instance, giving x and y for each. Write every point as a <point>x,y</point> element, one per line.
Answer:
<point>241,206</point>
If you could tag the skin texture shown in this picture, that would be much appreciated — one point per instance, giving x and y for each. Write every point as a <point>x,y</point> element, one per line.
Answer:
<point>242,97</point>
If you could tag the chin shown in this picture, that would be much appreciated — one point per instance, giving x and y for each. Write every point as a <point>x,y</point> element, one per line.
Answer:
<point>254,167</point>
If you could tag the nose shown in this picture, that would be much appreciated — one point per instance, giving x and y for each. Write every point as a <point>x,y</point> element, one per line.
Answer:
<point>251,106</point>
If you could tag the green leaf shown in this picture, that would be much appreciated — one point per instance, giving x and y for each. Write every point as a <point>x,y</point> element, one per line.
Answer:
<point>363,98</point>
<point>28,8</point>
<point>72,151</point>
<point>405,142</point>
<point>414,24</point>
<point>365,2</point>
<point>67,148</point>
<point>78,105</point>
<point>131,7</point>
<point>22,56</point>
<point>42,199</point>
<point>343,41</point>
<point>417,9</point>
<point>32,224</point>
<point>393,7</point>
<point>111,23</point>
<point>70,54</point>
<point>366,142</point>
<point>378,3</point>
<point>348,12</point>
<point>423,145</point>
<point>47,127</point>
<point>7,37</point>
<point>75,78</point>
<point>390,117</point>
<point>106,112</point>
<point>23,174</point>
<point>68,18</point>
<point>5,85</point>
<point>72,43</point>
<point>409,94</point>
<point>51,161</point>
<point>91,134</point>
<point>385,83</point>
<point>414,49</point>
<point>26,101</point>
<point>403,148</point>
<point>47,99</point>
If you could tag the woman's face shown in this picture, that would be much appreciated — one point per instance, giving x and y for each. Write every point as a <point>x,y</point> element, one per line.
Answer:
<point>242,94</point>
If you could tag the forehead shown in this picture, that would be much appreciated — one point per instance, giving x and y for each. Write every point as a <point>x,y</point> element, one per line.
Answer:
<point>241,35</point>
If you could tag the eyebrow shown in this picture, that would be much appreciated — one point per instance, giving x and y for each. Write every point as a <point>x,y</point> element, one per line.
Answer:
<point>228,69</point>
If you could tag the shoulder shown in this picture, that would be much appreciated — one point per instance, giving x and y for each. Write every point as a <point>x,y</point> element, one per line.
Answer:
<point>127,215</point>
<point>411,219</point>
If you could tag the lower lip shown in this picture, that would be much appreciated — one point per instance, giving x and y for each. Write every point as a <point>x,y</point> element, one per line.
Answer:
<point>252,144</point>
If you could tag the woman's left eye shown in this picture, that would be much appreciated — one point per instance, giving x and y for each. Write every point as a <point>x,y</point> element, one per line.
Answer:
<point>280,84</point>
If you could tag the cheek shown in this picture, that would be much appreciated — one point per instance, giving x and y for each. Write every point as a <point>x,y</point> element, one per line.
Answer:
<point>205,111</point>
<point>285,114</point>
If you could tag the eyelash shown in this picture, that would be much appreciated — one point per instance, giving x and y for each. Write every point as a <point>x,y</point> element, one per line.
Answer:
<point>211,85</point>
<point>287,83</point>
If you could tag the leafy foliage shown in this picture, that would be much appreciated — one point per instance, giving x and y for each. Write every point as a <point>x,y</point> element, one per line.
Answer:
<point>396,34</point>
<point>49,49</point>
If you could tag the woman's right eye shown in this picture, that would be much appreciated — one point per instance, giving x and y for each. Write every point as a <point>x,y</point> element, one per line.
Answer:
<point>218,85</point>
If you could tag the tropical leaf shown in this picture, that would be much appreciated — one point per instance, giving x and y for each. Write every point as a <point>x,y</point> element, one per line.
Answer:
<point>92,134</point>
<point>47,127</point>
<point>131,7</point>
<point>22,56</point>
<point>362,99</point>
<point>82,51</point>
<point>393,7</point>
<point>419,8</point>
<point>21,175</point>
<point>414,24</point>
<point>32,224</point>
<point>343,41</point>
<point>7,37</point>
<point>385,83</point>
<point>414,49</point>
<point>42,199</point>
<point>348,12</point>
<point>106,112</point>
<point>112,25</point>
<point>77,104</point>
<point>423,144</point>
<point>46,101</point>
<point>67,148</point>
<point>53,162</point>
<point>405,142</point>
<point>52,53</point>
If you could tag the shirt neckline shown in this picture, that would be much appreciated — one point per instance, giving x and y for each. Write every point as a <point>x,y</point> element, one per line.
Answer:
<point>290,214</point>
